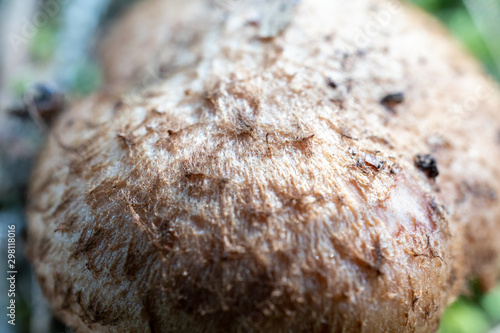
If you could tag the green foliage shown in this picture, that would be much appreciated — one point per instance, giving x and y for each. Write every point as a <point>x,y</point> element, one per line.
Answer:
<point>20,85</point>
<point>457,18</point>
<point>88,78</point>
<point>42,46</point>
<point>490,303</point>
<point>464,316</point>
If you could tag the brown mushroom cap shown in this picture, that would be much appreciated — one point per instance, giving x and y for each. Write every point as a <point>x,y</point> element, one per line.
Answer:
<point>284,184</point>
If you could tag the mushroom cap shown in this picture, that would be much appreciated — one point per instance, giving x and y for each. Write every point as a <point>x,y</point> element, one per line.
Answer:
<point>282,184</point>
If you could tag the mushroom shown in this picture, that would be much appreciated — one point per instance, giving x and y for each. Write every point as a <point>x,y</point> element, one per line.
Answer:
<point>261,185</point>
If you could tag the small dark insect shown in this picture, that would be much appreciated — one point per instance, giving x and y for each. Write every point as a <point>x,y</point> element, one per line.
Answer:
<point>390,101</point>
<point>42,102</point>
<point>331,83</point>
<point>427,163</point>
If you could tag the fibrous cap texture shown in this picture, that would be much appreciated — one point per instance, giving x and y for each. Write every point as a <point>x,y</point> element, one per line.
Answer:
<point>340,176</point>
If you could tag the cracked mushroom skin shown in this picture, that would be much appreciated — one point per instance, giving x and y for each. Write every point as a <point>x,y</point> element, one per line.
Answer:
<point>306,182</point>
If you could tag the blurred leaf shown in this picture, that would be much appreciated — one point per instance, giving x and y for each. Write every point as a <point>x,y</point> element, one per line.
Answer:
<point>23,311</point>
<point>44,43</point>
<point>461,25</point>
<point>491,304</point>
<point>436,5</point>
<point>463,316</point>
<point>428,5</point>
<point>20,85</point>
<point>88,78</point>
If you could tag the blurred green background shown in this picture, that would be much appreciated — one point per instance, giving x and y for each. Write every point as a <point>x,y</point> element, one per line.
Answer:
<point>476,23</point>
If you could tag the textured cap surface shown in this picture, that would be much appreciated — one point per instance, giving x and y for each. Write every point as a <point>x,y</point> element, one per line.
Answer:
<point>271,184</point>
